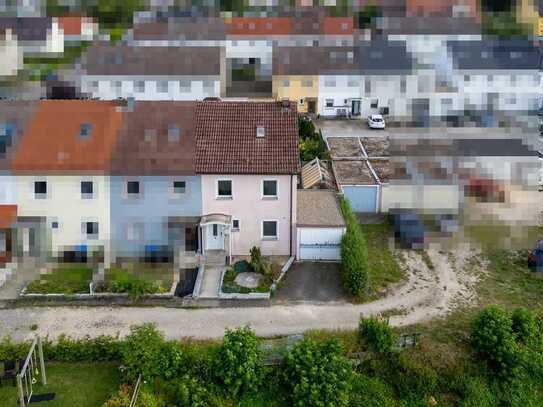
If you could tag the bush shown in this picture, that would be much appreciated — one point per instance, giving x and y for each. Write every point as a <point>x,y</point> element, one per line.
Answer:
<point>412,377</point>
<point>525,327</point>
<point>354,262</point>
<point>317,374</point>
<point>370,392</point>
<point>258,264</point>
<point>311,143</point>
<point>87,349</point>
<point>238,363</point>
<point>493,341</point>
<point>186,391</point>
<point>142,351</point>
<point>477,393</point>
<point>376,334</point>
<point>242,266</point>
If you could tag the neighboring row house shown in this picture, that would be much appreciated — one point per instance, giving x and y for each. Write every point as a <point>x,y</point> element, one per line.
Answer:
<point>112,180</point>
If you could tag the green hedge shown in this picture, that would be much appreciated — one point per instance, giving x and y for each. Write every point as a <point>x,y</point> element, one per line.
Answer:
<point>354,255</point>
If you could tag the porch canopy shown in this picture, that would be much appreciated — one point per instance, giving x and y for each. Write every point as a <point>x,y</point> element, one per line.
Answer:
<point>216,218</point>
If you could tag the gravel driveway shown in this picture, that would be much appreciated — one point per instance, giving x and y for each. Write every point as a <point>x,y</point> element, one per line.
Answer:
<point>426,294</point>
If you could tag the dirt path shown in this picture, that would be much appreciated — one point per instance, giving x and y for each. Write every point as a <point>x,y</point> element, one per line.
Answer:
<point>427,293</point>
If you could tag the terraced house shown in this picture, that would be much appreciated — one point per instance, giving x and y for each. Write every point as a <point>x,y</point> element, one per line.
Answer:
<point>101,178</point>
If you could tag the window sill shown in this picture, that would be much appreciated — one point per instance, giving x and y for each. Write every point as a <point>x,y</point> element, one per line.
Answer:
<point>270,198</point>
<point>269,238</point>
<point>40,196</point>
<point>223,198</point>
<point>235,230</point>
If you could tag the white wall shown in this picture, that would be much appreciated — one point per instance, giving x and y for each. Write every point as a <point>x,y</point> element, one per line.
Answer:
<point>251,209</point>
<point>341,89</point>
<point>106,89</point>
<point>65,205</point>
<point>420,197</point>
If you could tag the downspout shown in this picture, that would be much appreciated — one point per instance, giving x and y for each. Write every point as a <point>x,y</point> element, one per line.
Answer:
<point>291,197</point>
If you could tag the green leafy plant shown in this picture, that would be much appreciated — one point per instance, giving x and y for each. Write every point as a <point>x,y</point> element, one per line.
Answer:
<point>317,374</point>
<point>354,263</point>
<point>238,364</point>
<point>493,340</point>
<point>311,144</point>
<point>187,391</point>
<point>141,351</point>
<point>370,392</point>
<point>377,334</point>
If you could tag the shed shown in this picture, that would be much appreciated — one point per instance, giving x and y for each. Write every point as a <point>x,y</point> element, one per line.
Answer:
<point>320,225</point>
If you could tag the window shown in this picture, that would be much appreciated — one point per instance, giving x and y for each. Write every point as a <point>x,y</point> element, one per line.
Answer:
<point>269,188</point>
<point>184,86</point>
<point>286,83</point>
<point>301,102</point>
<point>374,103</point>
<point>85,130</point>
<point>329,82</point>
<point>224,188</point>
<point>235,225</point>
<point>307,83</point>
<point>269,230</point>
<point>54,225</point>
<point>133,187</point>
<point>403,85</point>
<point>140,86</point>
<point>367,86</point>
<point>329,102</point>
<point>162,86</point>
<point>466,78</point>
<point>150,135</point>
<point>353,82</point>
<point>179,187</point>
<point>174,133</point>
<point>40,188</point>
<point>86,188</point>
<point>91,228</point>
<point>490,78</point>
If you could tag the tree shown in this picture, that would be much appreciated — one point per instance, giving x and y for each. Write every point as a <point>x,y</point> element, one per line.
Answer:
<point>376,334</point>
<point>238,364</point>
<point>141,352</point>
<point>318,374</point>
<point>493,341</point>
<point>354,264</point>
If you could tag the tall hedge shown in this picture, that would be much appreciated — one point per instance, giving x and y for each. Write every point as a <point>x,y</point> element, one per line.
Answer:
<point>354,254</point>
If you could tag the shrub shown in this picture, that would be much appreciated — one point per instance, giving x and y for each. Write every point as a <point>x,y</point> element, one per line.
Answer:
<point>477,393</point>
<point>121,399</point>
<point>376,334</point>
<point>87,349</point>
<point>311,142</point>
<point>171,362</point>
<point>412,377</point>
<point>186,391</point>
<point>370,392</point>
<point>141,352</point>
<point>317,374</point>
<point>525,327</point>
<point>493,341</point>
<point>258,264</point>
<point>354,265</point>
<point>238,362</point>
<point>242,266</point>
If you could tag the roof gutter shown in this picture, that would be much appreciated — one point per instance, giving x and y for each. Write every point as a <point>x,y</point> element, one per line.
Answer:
<point>291,198</point>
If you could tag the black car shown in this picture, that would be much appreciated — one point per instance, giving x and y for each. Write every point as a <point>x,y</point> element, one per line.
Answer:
<point>409,229</point>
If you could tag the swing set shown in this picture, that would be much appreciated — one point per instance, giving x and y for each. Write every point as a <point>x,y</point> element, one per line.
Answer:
<point>32,370</point>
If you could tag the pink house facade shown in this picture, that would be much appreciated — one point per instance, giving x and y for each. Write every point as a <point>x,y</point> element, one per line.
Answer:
<point>248,159</point>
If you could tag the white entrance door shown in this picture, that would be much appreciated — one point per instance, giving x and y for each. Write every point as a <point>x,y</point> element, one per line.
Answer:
<point>215,237</point>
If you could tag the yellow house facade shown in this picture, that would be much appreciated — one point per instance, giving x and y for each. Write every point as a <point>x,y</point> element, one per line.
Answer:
<point>304,89</point>
<point>527,13</point>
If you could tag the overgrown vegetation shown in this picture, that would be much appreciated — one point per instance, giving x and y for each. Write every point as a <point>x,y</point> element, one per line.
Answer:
<point>312,144</point>
<point>137,280</point>
<point>354,256</point>
<point>64,279</point>
<point>258,264</point>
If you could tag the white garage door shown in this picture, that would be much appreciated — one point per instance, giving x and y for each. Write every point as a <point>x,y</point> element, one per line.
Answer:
<point>319,243</point>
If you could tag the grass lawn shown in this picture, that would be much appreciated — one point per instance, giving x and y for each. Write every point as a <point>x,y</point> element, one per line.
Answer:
<point>65,279</point>
<point>75,384</point>
<point>156,277</point>
<point>383,266</point>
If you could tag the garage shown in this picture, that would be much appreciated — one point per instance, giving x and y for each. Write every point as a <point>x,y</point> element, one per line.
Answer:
<point>320,226</point>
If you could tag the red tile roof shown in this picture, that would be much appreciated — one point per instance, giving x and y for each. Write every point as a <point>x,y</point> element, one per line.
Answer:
<point>259,26</point>
<point>337,25</point>
<point>52,142</point>
<point>8,213</point>
<point>226,141</point>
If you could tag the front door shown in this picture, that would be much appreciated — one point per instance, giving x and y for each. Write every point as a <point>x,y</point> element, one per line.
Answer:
<point>355,108</point>
<point>311,106</point>
<point>215,237</point>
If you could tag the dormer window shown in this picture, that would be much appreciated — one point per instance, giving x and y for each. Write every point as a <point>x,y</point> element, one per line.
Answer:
<point>150,135</point>
<point>85,130</point>
<point>174,133</point>
<point>260,132</point>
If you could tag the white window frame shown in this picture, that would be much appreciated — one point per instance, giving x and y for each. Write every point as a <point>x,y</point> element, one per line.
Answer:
<point>87,196</point>
<point>47,189</point>
<point>224,197</point>
<point>326,103</point>
<point>130,195</point>
<point>270,197</point>
<point>175,194</point>
<point>234,229</point>
<point>276,237</point>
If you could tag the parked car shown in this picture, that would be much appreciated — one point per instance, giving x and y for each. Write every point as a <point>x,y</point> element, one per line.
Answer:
<point>376,121</point>
<point>535,257</point>
<point>409,230</point>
